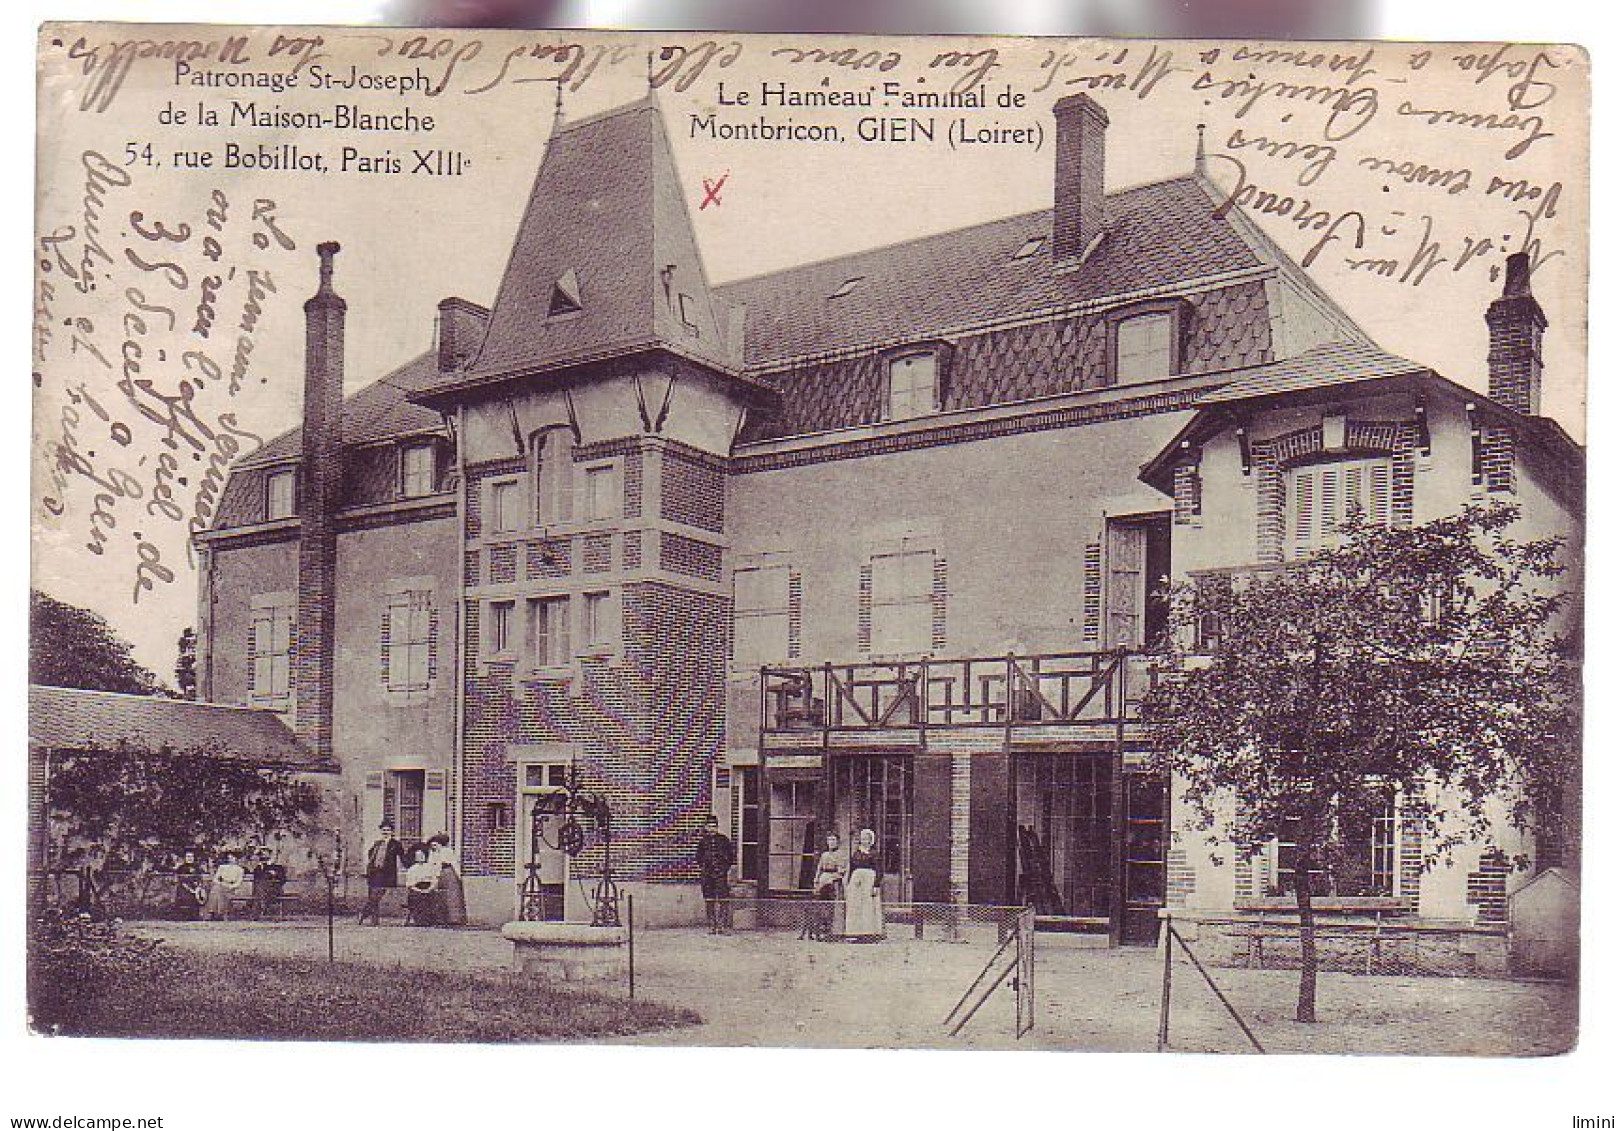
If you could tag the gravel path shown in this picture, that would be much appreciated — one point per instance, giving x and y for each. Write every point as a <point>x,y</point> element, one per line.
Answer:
<point>756,989</point>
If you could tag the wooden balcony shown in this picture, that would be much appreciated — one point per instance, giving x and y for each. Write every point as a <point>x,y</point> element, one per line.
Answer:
<point>1088,696</point>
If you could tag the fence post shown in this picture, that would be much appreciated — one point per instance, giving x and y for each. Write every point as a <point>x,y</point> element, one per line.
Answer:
<point>631,949</point>
<point>1167,982</point>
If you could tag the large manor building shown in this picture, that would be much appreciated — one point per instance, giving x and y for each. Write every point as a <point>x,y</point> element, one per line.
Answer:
<point>868,542</point>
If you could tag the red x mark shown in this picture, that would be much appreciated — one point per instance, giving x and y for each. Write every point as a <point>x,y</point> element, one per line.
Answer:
<point>713,192</point>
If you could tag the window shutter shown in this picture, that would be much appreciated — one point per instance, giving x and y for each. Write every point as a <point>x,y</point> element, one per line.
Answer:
<point>1381,494</point>
<point>1303,531</point>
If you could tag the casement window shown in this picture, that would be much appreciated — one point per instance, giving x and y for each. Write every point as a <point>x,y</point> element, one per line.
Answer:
<point>406,640</point>
<point>760,615</point>
<point>597,630</point>
<point>417,471</point>
<point>1144,347</point>
<point>1322,497</point>
<point>552,464</point>
<point>901,608</point>
<point>549,631</point>
<point>505,514</point>
<point>598,488</point>
<point>279,494</point>
<point>271,651</point>
<point>499,636</point>
<point>746,791</point>
<point>1360,859</point>
<point>912,385</point>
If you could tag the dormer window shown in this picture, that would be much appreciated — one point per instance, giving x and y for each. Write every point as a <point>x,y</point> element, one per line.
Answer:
<point>279,495</point>
<point>688,311</point>
<point>913,385</point>
<point>566,296</point>
<point>1146,342</point>
<point>1030,248</point>
<point>847,287</point>
<point>417,477</point>
<point>1145,347</point>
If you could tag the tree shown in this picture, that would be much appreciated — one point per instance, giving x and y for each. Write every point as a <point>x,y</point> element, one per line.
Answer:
<point>141,806</point>
<point>73,647</point>
<point>186,664</point>
<point>1422,668</point>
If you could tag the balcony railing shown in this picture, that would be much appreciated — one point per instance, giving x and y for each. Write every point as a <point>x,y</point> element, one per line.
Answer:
<point>1059,689</point>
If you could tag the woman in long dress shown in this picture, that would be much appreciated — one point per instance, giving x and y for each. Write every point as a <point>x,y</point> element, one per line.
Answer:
<point>422,896</point>
<point>453,904</point>
<point>865,919</point>
<point>228,877</point>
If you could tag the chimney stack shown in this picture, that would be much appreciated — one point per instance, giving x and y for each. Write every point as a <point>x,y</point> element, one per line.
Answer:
<point>1516,333</point>
<point>321,472</point>
<point>1079,175</point>
<point>461,331</point>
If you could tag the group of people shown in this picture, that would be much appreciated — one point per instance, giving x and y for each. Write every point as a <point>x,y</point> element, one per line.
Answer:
<point>209,891</point>
<point>429,872</point>
<point>847,882</point>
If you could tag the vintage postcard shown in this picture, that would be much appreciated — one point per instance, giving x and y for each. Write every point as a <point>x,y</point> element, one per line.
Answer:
<point>710,539</point>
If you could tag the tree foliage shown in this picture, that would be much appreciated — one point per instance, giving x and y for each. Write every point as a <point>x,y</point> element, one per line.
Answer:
<point>140,806</point>
<point>186,664</point>
<point>1425,665</point>
<point>73,647</point>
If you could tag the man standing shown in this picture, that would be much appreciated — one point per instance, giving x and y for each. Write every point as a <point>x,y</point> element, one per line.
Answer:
<point>715,858</point>
<point>384,859</point>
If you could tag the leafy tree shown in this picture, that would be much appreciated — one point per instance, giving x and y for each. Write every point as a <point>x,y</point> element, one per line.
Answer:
<point>1421,667</point>
<point>186,664</point>
<point>141,806</point>
<point>73,647</point>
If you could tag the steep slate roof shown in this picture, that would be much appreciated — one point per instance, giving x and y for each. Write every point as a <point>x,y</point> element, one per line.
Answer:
<point>380,411</point>
<point>65,718</point>
<point>607,206</point>
<point>1156,235</point>
<point>1334,363</point>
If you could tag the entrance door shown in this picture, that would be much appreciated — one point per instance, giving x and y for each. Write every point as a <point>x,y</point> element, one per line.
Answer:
<point>794,835</point>
<point>403,803</point>
<point>875,791</point>
<point>1144,856</point>
<point>540,840</point>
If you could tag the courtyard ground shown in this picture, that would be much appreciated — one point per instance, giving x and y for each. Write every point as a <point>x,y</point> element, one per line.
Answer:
<point>770,989</point>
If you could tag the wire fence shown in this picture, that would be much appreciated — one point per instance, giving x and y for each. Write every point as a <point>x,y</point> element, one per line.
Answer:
<point>825,919</point>
<point>1376,945</point>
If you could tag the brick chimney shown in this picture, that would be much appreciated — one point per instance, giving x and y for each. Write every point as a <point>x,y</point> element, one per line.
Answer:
<point>1079,175</point>
<point>321,471</point>
<point>1516,332</point>
<point>461,330</point>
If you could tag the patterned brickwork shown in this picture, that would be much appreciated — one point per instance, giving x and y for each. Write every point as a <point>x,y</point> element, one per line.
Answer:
<point>1093,590</point>
<point>1226,328</point>
<point>1245,871</point>
<point>1499,463</point>
<point>631,551</point>
<point>1411,857</point>
<point>1186,493</point>
<point>938,606</point>
<point>1180,877</point>
<point>631,479</point>
<point>504,563</point>
<point>1486,887</point>
<point>470,568</point>
<point>794,614</point>
<point>547,558</point>
<point>865,608</point>
<point>690,557</point>
<point>597,552</point>
<point>692,488</point>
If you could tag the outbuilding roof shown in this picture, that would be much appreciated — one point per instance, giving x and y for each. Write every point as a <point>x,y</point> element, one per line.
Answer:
<point>68,718</point>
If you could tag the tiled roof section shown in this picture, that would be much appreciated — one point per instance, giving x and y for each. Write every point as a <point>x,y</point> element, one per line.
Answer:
<point>1335,363</point>
<point>65,718</point>
<point>607,206</point>
<point>380,411</point>
<point>1156,235</point>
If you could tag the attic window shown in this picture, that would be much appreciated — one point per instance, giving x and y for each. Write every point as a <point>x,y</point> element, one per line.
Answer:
<point>686,310</point>
<point>847,287</point>
<point>566,297</point>
<point>1029,248</point>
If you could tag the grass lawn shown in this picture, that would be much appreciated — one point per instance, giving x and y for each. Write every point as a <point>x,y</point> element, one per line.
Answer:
<point>258,997</point>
